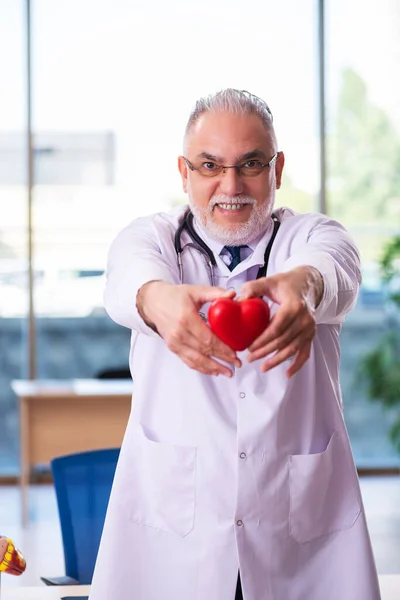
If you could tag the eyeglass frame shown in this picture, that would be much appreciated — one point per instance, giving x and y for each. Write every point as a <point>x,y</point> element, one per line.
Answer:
<point>237,167</point>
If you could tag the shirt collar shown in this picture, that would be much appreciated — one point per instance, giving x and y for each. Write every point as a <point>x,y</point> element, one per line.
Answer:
<point>217,247</point>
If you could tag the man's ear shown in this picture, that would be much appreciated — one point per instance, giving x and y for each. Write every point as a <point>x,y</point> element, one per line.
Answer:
<point>279,164</point>
<point>183,170</point>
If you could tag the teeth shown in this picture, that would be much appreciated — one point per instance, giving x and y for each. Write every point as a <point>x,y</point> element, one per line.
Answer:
<point>230,206</point>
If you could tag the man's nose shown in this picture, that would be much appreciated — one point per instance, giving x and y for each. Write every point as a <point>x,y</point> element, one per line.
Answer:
<point>231,183</point>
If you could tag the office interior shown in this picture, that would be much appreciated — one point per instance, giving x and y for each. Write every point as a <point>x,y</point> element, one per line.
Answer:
<point>93,105</point>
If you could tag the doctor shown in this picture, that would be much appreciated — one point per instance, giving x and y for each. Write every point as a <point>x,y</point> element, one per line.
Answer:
<point>236,478</point>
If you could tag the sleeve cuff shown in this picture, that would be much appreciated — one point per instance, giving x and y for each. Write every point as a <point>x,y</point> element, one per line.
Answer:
<point>120,303</point>
<point>323,262</point>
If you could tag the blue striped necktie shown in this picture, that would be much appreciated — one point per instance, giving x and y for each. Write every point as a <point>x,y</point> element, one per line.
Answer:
<point>234,251</point>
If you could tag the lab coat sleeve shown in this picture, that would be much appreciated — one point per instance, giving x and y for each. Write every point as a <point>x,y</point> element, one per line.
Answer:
<point>329,248</point>
<point>134,258</point>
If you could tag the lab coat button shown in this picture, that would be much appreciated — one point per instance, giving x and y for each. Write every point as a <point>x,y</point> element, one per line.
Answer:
<point>239,522</point>
<point>242,455</point>
<point>242,395</point>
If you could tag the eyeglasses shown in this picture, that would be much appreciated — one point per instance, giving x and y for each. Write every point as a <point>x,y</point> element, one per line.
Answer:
<point>250,168</point>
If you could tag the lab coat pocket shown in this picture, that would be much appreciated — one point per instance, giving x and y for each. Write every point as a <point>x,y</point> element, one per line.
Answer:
<point>159,489</point>
<point>324,494</point>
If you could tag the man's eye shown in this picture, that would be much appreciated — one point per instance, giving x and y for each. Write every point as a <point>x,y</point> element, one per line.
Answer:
<point>252,164</point>
<point>209,166</point>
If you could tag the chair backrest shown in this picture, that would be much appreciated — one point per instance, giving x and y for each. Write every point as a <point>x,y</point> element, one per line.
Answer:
<point>82,484</point>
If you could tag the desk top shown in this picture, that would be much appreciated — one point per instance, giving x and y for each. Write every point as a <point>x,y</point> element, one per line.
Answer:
<point>44,388</point>
<point>52,592</point>
<point>390,589</point>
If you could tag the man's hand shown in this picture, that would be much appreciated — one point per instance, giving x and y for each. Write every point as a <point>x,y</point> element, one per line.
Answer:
<point>172,310</point>
<point>292,329</point>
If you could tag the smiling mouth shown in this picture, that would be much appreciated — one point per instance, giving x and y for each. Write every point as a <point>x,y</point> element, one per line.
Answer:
<point>231,206</point>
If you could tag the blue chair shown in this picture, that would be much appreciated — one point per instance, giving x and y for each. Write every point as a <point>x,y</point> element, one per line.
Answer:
<point>82,484</point>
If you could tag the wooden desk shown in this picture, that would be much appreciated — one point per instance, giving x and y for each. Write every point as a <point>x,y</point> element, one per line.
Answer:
<point>42,592</point>
<point>62,417</point>
<point>390,590</point>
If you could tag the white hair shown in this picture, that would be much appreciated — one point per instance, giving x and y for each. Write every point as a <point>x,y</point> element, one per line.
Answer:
<point>232,101</point>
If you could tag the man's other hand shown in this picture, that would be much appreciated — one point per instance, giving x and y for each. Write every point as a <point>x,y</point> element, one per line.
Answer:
<point>172,310</point>
<point>291,331</point>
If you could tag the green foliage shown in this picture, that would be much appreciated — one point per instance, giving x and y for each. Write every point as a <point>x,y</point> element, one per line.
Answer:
<point>380,368</point>
<point>364,184</point>
<point>390,268</point>
<point>364,159</point>
<point>390,259</point>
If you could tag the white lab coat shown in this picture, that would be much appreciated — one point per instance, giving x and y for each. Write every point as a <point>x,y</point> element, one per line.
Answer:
<point>253,473</point>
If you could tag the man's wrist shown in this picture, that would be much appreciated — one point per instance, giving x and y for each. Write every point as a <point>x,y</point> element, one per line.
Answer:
<point>141,298</point>
<point>317,285</point>
<point>314,284</point>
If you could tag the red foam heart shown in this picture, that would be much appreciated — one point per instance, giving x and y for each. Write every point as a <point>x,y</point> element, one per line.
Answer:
<point>238,324</point>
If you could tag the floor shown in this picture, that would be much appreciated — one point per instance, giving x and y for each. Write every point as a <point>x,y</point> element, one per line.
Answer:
<point>41,541</point>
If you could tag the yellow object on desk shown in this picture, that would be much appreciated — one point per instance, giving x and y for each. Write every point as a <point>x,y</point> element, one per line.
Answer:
<point>11,559</point>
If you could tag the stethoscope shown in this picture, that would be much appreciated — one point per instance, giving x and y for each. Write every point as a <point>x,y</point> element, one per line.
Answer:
<point>187,225</point>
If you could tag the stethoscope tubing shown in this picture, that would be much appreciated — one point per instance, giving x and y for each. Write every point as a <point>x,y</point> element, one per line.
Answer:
<point>187,225</point>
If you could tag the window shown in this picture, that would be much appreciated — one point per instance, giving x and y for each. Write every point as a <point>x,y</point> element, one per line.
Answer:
<point>13,222</point>
<point>364,187</point>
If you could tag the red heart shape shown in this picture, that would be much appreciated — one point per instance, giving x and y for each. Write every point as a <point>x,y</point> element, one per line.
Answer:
<point>238,324</point>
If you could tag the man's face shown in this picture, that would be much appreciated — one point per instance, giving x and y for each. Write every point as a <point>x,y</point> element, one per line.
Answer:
<point>233,208</point>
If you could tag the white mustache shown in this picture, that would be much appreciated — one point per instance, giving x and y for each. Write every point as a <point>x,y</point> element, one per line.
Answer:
<point>231,200</point>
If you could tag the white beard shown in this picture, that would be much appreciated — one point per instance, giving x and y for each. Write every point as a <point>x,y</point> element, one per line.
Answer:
<point>241,233</point>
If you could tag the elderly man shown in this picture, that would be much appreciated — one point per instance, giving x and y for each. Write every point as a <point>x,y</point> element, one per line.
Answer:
<point>236,478</point>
